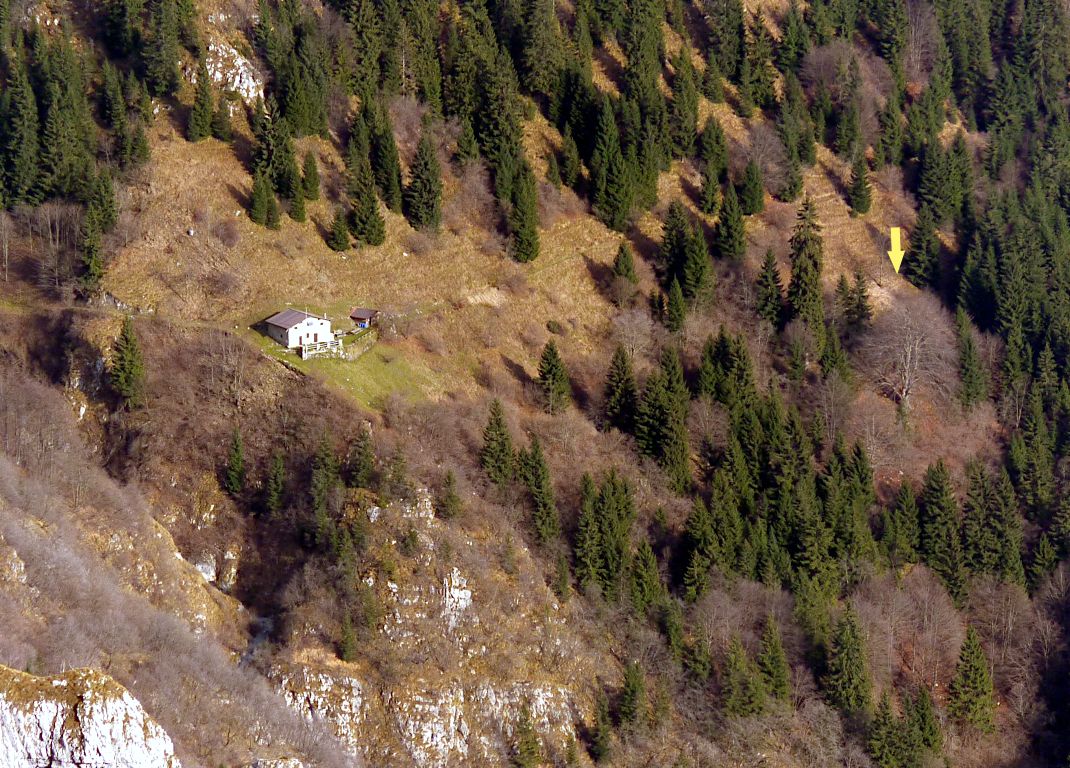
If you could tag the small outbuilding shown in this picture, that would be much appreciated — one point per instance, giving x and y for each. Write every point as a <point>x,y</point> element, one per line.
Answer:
<point>363,317</point>
<point>307,333</point>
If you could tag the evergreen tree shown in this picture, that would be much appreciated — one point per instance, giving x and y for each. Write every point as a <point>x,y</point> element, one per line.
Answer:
<point>645,587</point>
<point>21,147</point>
<point>971,699</point>
<point>536,476</point>
<point>941,543</point>
<point>695,277</point>
<point>275,486</point>
<point>386,168</point>
<point>742,690</point>
<point>1009,525</point>
<point>524,216</point>
<point>261,199</point>
<point>900,534</point>
<point>611,181</point>
<point>200,117</point>
<point>1045,561</point>
<point>922,264</point>
<point>683,107</point>
<point>885,738</point>
<point>676,315</point>
<point>712,79</point>
<point>620,392</point>
<point>161,50</point>
<point>602,732</point>
<point>846,681</point>
<point>922,724</point>
<point>553,379</point>
<point>751,192</point>
<point>365,223</point>
<point>624,264</point>
<point>221,127</point>
<point>310,177</point>
<point>234,476</point>
<point>729,238</point>
<point>448,504</point>
<point>338,237</point>
<point>527,751</point>
<point>423,196</point>
<point>347,644</point>
<point>859,191</point>
<point>570,160</point>
<point>805,300</point>
<point>632,705</point>
<point>770,295</point>
<point>496,456</point>
<point>90,248</point>
<point>298,212</point>
<point>773,662</point>
<point>127,372</point>
<point>973,380</point>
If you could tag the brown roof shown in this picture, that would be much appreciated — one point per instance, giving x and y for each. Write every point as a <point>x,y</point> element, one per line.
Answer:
<point>288,318</point>
<point>363,313</point>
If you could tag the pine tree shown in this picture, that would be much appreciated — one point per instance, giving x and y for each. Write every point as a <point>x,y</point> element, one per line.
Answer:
<point>524,216</point>
<point>773,662</point>
<point>234,475</point>
<point>221,127</point>
<point>751,192</point>
<point>200,117</point>
<point>971,699</point>
<point>859,191</point>
<point>846,681</point>
<point>620,392</point>
<point>770,294</point>
<point>553,379</point>
<point>729,238</point>
<point>611,181</point>
<point>275,486</point>
<point>310,177</point>
<point>536,475</point>
<point>527,751</point>
<point>338,237</point>
<point>423,196</point>
<point>676,315</point>
<point>632,705</point>
<point>127,372</point>
<point>496,456</point>
<point>742,691</point>
<point>973,380</point>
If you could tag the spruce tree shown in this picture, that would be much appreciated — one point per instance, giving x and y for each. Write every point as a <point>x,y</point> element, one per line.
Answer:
<point>602,732</point>
<point>553,379</point>
<point>885,738</point>
<point>90,250</point>
<point>922,724</point>
<point>742,690</point>
<point>524,217</point>
<point>221,127</point>
<point>805,299</point>
<point>21,138</point>
<point>338,236</point>
<point>900,532</point>
<point>536,474</point>
<point>261,199</point>
<point>310,177</point>
<point>729,239</point>
<point>127,373</point>
<point>620,392</point>
<point>712,79</point>
<point>1045,561</point>
<point>645,581</point>
<point>973,380</point>
<point>496,456</point>
<point>386,168</point>
<point>200,117</point>
<point>298,212</point>
<point>940,539</point>
<point>676,314</point>
<point>161,51</point>
<point>527,751</point>
<point>922,263</point>
<point>769,299</point>
<point>234,475</point>
<point>751,192</point>
<point>971,698</point>
<point>275,486</point>
<point>632,705</point>
<point>859,191</point>
<point>423,196</point>
<point>846,681</point>
<point>773,662</point>
<point>448,504</point>
<point>624,264</point>
<point>683,107</point>
<point>695,277</point>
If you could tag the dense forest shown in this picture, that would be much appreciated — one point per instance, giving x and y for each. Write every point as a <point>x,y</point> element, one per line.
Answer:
<point>759,486</point>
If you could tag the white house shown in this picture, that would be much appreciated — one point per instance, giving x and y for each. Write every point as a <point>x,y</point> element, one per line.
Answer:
<point>295,329</point>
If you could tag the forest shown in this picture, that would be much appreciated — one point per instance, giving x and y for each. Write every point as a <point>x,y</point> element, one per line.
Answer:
<point>788,493</point>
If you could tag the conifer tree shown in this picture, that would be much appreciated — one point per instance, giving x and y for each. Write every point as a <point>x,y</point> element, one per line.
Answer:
<point>884,741</point>
<point>587,546</point>
<point>846,681</point>
<point>940,540</point>
<point>804,298</point>
<point>234,476</point>
<point>971,699</point>
<point>729,240</point>
<point>21,147</point>
<point>536,475</point>
<point>338,236</point>
<point>742,690</point>
<point>273,216</point>
<point>922,724</point>
<point>386,168</point>
<point>973,380</point>
<point>127,372</point>
<point>1045,560</point>
<point>645,588</point>
<point>90,250</point>
<point>713,151</point>
<point>570,160</point>
<point>553,379</point>
<point>161,51</point>
<point>620,392</point>
<point>695,277</point>
<point>794,41</point>
<point>676,314</point>
<point>683,107</point>
<point>542,55</point>
<point>496,456</point>
<point>524,216</point>
<point>310,177</point>
<point>770,295</point>
<point>361,461</point>
<point>423,196</point>
<point>611,181</point>
<point>261,199</point>
<point>751,192</point>
<point>712,78</point>
<point>1009,525</point>
<point>900,535</point>
<point>633,695</point>
<point>200,117</point>
<point>527,751</point>
<point>859,191</point>
<point>298,212</point>
<point>448,504</point>
<point>275,486</point>
<point>347,644</point>
<point>922,263</point>
<point>221,127</point>
<point>773,662</point>
<point>624,264</point>
<point>602,733</point>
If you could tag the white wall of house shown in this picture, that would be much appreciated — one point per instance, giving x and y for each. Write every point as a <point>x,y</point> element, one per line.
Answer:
<point>308,331</point>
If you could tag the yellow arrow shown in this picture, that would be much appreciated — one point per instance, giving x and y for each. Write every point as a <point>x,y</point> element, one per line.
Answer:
<point>896,254</point>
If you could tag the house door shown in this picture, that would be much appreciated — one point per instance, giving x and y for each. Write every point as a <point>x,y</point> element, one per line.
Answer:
<point>315,338</point>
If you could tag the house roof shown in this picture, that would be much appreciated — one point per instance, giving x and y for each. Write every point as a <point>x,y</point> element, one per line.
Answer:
<point>288,318</point>
<point>363,313</point>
